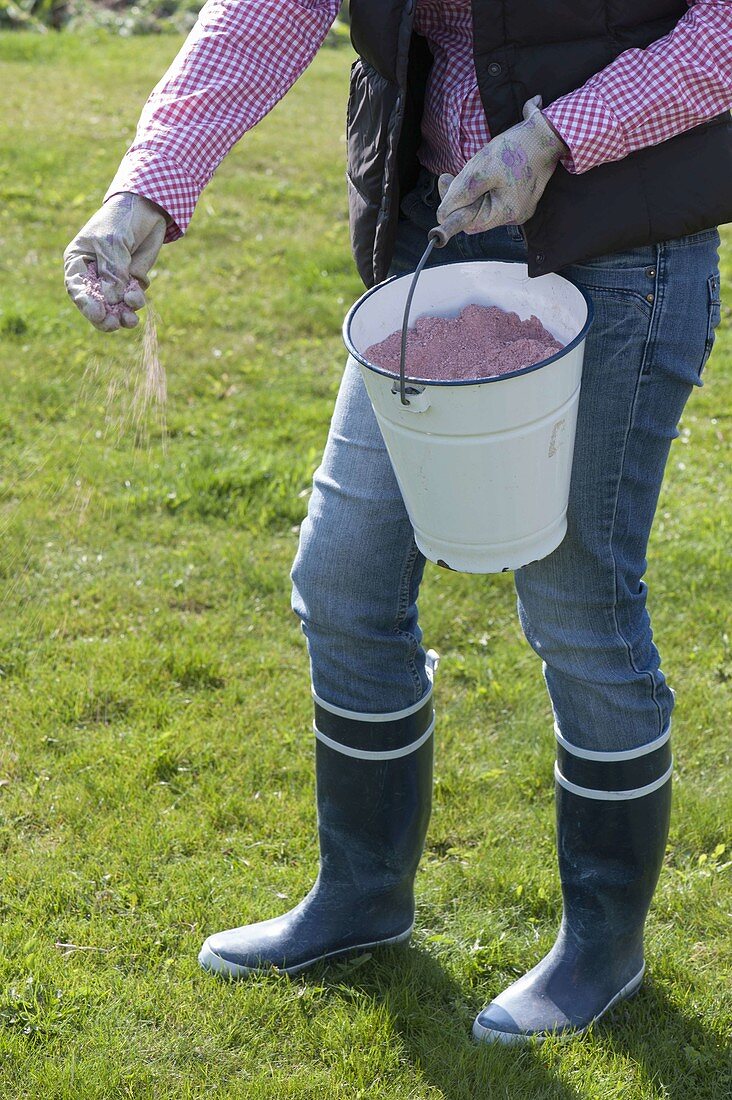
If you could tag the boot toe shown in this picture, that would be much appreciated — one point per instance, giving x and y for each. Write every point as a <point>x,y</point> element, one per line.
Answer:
<point>495,1025</point>
<point>219,957</point>
<point>519,1017</point>
<point>254,948</point>
<point>549,1000</point>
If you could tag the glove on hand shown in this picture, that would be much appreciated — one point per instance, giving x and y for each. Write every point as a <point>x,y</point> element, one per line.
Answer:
<point>123,239</point>
<point>502,184</point>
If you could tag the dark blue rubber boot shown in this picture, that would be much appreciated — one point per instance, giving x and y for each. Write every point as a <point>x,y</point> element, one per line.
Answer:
<point>374,794</point>
<point>612,822</point>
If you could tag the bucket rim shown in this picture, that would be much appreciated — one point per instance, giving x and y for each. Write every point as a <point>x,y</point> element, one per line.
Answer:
<point>352,350</point>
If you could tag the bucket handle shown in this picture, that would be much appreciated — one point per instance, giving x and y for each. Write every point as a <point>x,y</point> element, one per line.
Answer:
<point>436,238</point>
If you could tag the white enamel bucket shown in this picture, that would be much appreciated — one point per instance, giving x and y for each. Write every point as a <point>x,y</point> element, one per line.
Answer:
<point>483,465</point>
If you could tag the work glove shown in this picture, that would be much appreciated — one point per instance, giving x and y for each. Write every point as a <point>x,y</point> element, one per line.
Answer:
<point>106,265</point>
<point>502,184</point>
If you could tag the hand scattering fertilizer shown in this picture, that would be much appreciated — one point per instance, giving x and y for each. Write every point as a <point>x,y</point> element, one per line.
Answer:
<point>480,431</point>
<point>141,386</point>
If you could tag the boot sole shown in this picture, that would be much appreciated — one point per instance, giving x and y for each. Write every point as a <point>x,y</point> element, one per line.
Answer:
<point>510,1038</point>
<point>215,964</point>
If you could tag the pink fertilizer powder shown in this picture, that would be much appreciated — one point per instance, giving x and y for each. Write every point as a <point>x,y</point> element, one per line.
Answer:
<point>93,287</point>
<point>481,342</point>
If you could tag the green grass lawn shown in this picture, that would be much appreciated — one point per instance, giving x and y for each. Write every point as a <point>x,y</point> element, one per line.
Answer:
<point>156,756</point>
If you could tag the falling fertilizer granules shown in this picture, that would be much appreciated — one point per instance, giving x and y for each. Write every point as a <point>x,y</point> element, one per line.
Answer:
<point>136,386</point>
<point>482,341</point>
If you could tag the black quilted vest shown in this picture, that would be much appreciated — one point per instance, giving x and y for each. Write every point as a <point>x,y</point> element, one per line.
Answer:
<point>523,48</point>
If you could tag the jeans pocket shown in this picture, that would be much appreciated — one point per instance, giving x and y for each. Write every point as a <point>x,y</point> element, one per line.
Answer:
<point>626,278</point>
<point>613,287</point>
<point>714,302</point>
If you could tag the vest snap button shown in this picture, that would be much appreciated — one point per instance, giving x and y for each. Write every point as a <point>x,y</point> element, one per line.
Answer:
<point>649,297</point>
<point>494,69</point>
<point>651,272</point>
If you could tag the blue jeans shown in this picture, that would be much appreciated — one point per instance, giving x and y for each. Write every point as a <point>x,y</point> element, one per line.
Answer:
<point>583,608</point>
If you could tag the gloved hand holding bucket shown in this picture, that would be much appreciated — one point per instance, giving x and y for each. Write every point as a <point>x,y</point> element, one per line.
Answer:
<point>501,184</point>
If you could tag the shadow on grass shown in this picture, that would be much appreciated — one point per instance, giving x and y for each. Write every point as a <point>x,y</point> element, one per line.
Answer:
<point>675,1050</point>
<point>433,1015</point>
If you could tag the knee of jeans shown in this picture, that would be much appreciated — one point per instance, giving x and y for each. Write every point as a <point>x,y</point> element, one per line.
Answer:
<point>544,638</point>
<point>580,635</point>
<point>324,591</point>
<point>310,576</point>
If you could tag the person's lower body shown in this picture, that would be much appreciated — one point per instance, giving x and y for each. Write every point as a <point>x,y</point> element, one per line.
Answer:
<point>356,579</point>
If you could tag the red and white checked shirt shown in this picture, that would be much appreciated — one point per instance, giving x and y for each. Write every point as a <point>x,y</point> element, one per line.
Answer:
<point>243,55</point>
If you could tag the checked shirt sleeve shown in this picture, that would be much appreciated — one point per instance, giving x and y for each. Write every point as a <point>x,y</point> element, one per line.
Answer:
<point>648,96</point>
<point>239,60</point>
